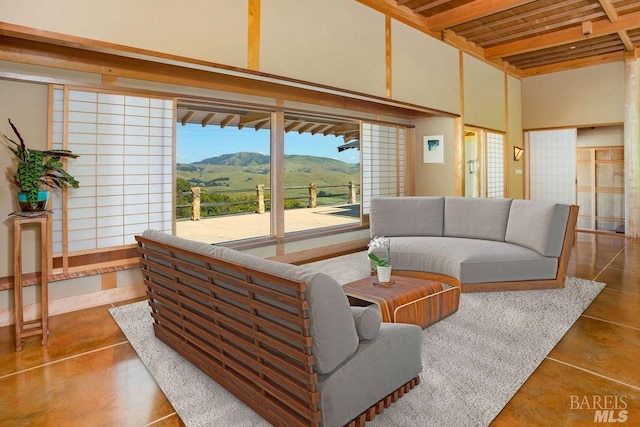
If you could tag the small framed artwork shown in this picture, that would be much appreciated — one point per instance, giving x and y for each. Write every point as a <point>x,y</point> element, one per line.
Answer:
<point>433,149</point>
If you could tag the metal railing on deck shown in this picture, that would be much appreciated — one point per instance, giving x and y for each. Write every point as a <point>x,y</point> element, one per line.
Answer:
<point>257,200</point>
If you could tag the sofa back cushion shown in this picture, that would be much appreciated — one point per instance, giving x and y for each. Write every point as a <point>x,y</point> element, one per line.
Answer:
<point>476,218</point>
<point>406,216</point>
<point>538,225</point>
<point>332,325</point>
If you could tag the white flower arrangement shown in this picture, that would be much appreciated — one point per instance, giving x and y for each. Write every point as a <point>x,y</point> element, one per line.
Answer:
<point>384,243</point>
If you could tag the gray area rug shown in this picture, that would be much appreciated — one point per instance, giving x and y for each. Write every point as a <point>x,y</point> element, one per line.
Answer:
<point>473,361</point>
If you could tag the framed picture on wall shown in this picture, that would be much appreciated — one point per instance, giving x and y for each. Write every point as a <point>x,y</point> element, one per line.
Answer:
<point>433,149</point>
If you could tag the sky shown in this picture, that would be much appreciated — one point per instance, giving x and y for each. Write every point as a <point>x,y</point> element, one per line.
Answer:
<point>195,143</point>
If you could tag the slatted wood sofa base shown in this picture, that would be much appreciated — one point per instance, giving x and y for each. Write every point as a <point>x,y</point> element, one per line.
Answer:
<point>248,329</point>
<point>383,404</point>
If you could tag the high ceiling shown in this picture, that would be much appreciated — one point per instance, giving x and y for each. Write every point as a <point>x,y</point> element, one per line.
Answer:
<point>534,36</point>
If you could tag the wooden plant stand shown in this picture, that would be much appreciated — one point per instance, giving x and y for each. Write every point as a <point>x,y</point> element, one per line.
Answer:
<point>39,326</point>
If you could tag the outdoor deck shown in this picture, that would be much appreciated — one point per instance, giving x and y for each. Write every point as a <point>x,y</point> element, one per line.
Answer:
<point>235,227</point>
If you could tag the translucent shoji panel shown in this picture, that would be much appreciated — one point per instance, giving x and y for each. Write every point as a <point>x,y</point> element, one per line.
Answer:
<point>552,165</point>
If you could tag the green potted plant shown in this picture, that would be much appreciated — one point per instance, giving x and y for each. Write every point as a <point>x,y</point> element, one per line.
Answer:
<point>37,171</point>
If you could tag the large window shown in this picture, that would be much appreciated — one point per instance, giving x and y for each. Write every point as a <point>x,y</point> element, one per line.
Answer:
<point>223,173</point>
<point>321,173</point>
<point>237,173</point>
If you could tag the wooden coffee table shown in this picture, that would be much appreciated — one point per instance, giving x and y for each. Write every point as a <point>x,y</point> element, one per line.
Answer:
<point>409,300</point>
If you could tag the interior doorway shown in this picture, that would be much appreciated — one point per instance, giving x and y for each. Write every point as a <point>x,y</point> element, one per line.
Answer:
<point>473,162</point>
<point>484,163</point>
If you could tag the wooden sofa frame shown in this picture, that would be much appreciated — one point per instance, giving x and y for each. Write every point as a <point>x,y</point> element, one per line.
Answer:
<point>558,282</point>
<point>232,335</point>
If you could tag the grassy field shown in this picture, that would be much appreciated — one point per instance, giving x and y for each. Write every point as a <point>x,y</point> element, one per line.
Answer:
<point>229,182</point>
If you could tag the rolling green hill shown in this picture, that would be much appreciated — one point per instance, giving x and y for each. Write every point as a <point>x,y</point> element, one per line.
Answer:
<point>243,171</point>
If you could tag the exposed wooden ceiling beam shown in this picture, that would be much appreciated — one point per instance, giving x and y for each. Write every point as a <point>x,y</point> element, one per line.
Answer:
<point>328,130</point>
<point>348,138</point>
<point>186,118</point>
<point>252,118</point>
<point>261,124</point>
<point>346,128</point>
<point>513,20</point>
<point>429,6</point>
<point>569,35</point>
<point>609,9</point>
<point>400,13</point>
<point>208,119</point>
<point>291,126</point>
<point>572,64</point>
<point>624,37</point>
<point>306,127</point>
<point>551,22</point>
<point>475,10</point>
<point>318,129</point>
<point>227,120</point>
<point>531,32</point>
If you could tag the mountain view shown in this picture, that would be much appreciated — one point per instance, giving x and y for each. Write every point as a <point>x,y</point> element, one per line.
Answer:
<point>243,171</point>
<point>229,182</point>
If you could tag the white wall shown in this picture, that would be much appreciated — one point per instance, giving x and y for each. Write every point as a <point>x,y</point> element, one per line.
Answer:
<point>604,136</point>
<point>332,42</point>
<point>26,105</point>
<point>484,95</point>
<point>214,31</point>
<point>424,70</point>
<point>574,98</point>
<point>435,179</point>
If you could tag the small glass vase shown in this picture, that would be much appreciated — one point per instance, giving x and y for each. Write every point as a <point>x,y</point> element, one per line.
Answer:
<point>384,274</point>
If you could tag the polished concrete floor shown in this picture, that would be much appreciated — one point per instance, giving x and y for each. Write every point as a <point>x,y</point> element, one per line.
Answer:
<point>89,375</point>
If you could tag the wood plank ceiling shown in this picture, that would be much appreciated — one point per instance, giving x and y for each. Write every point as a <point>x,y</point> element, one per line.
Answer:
<point>534,36</point>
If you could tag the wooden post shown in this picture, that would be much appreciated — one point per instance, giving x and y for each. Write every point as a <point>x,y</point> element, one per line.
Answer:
<point>313,195</point>
<point>632,147</point>
<point>352,193</point>
<point>260,191</point>
<point>195,205</point>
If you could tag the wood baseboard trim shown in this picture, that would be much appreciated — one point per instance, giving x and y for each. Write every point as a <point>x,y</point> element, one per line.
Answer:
<point>75,303</point>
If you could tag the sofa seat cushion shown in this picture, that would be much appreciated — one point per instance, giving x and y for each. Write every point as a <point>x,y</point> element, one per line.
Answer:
<point>406,216</point>
<point>476,218</point>
<point>332,325</point>
<point>367,376</point>
<point>471,260</point>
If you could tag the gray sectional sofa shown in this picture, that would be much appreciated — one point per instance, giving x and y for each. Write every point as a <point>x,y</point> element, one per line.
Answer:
<point>477,244</point>
<point>281,338</point>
